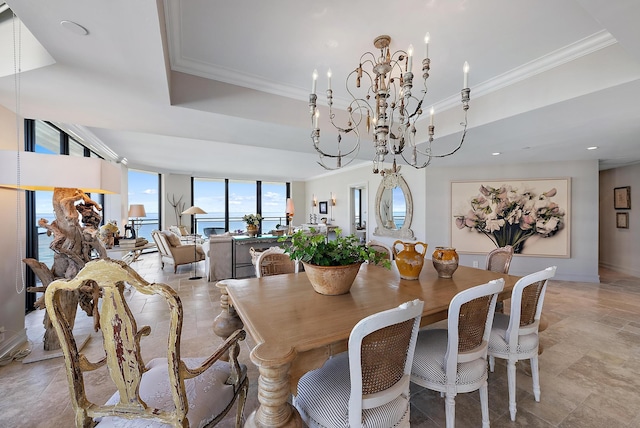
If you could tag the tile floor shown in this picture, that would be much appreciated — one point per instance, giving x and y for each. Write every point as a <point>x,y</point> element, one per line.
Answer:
<point>589,370</point>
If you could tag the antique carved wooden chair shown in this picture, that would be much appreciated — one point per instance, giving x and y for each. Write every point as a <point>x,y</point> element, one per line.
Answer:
<point>369,384</point>
<point>179,392</point>
<point>274,261</point>
<point>454,360</point>
<point>514,337</point>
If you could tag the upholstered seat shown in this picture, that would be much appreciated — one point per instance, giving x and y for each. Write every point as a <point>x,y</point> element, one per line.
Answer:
<point>514,337</point>
<point>173,251</point>
<point>368,386</point>
<point>167,391</point>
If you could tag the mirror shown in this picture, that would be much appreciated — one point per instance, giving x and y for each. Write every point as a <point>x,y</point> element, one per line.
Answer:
<point>394,206</point>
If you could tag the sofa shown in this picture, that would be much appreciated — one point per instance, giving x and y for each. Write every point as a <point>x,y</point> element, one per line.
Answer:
<point>172,250</point>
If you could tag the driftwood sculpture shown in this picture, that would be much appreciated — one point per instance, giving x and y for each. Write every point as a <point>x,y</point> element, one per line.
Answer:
<point>178,207</point>
<point>73,245</point>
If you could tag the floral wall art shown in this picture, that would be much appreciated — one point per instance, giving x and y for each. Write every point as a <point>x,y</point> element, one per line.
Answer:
<point>531,215</point>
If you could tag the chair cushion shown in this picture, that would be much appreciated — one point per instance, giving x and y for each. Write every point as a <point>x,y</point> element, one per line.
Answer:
<point>207,394</point>
<point>323,399</point>
<point>498,343</point>
<point>172,238</point>
<point>429,363</point>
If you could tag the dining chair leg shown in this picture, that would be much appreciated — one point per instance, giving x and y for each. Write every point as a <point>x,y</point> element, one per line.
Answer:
<point>492,363</point>
<point>484,404</point>
<point>450,409</point>
<point>511,379</point>
<point>535,376</point>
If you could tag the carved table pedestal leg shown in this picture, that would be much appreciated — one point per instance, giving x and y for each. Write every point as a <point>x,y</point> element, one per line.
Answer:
<point>274,388</point>
<point>228,320</point>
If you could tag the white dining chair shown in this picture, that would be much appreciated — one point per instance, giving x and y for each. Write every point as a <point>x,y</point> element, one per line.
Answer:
<point>514,337</point>
<point>369,384</point>
<point>454,360</point>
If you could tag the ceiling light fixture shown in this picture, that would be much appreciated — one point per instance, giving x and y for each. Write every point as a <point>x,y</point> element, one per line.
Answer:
<point>74,27</point>
<point>386,104</point>
<point>495,154</point>
<point>592,148</point>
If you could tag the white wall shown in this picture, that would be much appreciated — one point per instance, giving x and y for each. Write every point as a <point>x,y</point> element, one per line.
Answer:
<point>431,189</point>
<point>12,249</point>
<point>175,186</point>
<point>619,248</point>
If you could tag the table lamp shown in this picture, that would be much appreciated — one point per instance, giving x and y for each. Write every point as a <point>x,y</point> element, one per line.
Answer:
<point>137,211</point>
<point>290,211</point>
<point>193,211</point>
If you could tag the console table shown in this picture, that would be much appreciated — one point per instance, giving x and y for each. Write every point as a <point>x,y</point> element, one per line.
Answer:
<point>242,265</point>
<point>229,256</point>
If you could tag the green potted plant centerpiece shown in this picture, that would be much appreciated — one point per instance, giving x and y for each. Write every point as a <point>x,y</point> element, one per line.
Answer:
<point>331,265</point>
<point>253,223</point>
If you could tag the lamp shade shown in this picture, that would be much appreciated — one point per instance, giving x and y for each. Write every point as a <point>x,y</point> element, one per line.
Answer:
<point>39,171</point>
<point>137,210</point>
<point>290,208</point>
<point>194,210</point>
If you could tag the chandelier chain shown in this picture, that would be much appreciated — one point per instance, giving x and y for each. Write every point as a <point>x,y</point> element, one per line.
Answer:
<point>17,65</point>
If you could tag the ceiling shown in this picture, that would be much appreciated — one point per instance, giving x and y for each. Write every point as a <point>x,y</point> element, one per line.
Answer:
<point>216,88</point>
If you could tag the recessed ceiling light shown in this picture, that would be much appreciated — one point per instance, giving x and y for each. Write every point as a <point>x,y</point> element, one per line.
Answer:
<point>74,28</point>
<point>495,154</point>
<point>592,148</point>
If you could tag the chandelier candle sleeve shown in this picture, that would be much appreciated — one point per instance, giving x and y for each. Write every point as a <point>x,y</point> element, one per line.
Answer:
<point>426,45</point>
<point>465,69</point>
<point>315,81</point>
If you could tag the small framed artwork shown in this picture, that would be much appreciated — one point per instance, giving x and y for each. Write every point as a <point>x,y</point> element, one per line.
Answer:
<point>622,198</point>
<point>323,207</point>
<point>622,220</point>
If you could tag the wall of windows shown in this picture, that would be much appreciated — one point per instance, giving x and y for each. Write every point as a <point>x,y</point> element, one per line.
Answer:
<point>227,201</point>
<point>43,137</point>
<point>144,188</point>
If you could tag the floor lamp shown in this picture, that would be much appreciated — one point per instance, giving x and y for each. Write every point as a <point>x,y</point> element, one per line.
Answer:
<point>193,211</point>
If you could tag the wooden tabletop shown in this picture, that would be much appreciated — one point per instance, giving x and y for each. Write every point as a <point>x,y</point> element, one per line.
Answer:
<point>285,310</point>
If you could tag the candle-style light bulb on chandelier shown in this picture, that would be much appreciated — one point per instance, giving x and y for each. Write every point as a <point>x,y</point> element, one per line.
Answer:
<point>385,104</point>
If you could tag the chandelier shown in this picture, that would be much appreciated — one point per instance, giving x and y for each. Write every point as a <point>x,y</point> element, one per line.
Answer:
<point>385,103</point>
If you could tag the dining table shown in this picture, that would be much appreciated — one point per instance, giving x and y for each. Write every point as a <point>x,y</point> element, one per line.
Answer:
<point>296,329</point>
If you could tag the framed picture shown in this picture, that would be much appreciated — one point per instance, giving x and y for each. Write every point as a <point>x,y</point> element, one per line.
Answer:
<point>622,198</point>
<point>531,215</point>
<point>622,220</point>
<point>323,207</point>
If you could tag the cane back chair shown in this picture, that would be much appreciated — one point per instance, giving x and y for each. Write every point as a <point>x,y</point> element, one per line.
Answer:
<point>514,337</point>
<point>368,386</point>
<point>454,360</point>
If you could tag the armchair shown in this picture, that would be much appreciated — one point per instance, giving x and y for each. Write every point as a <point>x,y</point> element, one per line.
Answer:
<point>173,251</point>
<point>169,391</point>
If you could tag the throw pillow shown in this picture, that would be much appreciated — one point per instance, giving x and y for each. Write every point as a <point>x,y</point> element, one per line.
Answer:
<point>174,240</point>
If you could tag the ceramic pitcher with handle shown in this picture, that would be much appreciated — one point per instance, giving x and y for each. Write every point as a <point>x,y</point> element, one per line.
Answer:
<point>408,260</point>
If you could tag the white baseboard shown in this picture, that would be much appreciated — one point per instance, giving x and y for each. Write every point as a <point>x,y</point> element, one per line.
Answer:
<point>622,269</point>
